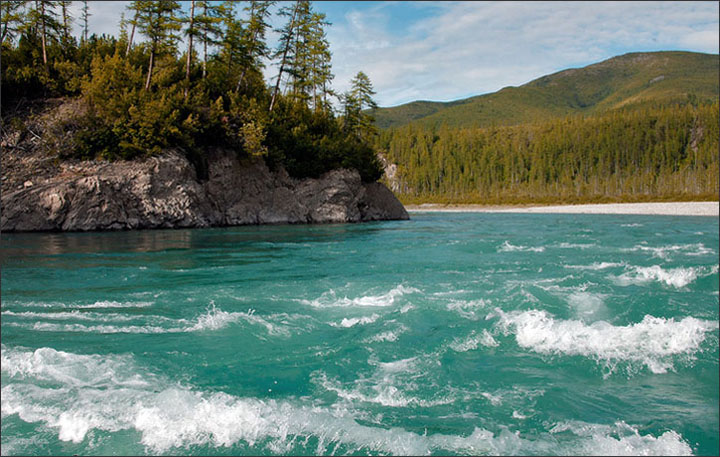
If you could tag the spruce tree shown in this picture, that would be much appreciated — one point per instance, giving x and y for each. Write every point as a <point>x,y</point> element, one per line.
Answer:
<point>157,21</point>
<point>12,17</point>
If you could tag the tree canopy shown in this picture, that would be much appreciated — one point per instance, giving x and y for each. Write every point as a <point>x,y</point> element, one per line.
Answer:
<point>144,93</point>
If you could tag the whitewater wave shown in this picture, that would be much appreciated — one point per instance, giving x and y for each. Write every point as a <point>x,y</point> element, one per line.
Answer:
<point>353,321</point>
<point>597,266</point>
<point>110,393</point>
<point>388,336</point>
<point>676,277</point>
<point>468,308</point>
<point>507,247</point>
<point>566,245</point>
<point>654,342</point>
<point>213,319</point>
<point>664,252</point>
<point>95,305</point>
<point>472,341</point>
<point>330,299</point>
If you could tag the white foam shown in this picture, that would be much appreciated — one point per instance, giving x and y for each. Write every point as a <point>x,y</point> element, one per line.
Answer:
<point>94,392</point>
<point>507,247</point>
<point>652,342</point>
<point>388,336</point>
<point>98,304</point>
<point>621,439</point>
<point>83,316</point>
<point>70,369</point>
<point>676,277</point>
<point>565,245</point>
<point>330,299</point>
<point>353,321</point>
<point>664,252</point>
<point>467,308</point>
<point>588,306</point>
<point>472,341</point>
<point>213,319</point>
<point>597,266</point>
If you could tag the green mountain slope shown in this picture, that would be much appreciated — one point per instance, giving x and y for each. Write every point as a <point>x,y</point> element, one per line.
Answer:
<point>632,81</point>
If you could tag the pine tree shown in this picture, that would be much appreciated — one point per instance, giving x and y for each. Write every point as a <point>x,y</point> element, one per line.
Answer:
<point>44,19</point>
<point>156,20</point>
<point>12,18</point>
<point>190,32</point>
<point>85,16</point>
<point>135,8</point>
<point>207,23</point>
<point>287,39</point>
<point>66,21</point>
<point>360,98</point>
<point>256,25</point>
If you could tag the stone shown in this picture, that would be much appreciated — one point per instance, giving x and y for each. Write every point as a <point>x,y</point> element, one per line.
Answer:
<point>164,192</point>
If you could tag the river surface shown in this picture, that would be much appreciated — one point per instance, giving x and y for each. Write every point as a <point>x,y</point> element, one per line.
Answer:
<point>452,333</point>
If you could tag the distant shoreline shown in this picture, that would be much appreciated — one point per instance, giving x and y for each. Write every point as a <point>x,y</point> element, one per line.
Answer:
<point>658,209</point>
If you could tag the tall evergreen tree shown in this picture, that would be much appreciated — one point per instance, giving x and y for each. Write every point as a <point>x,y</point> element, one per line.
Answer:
<point>44,19</point>
<point>12,17</point>
<point>134,7</point>
<point>85,16</point>
<point>287,38</point>
<point>359,98</point>
<point>190,32</point>
<point>66,21</point>
<point>208,19</point>
<point>157,21</point>
<point>255,28</point>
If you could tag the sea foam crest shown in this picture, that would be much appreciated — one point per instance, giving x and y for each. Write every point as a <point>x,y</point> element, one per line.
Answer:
<point>213,318</point>
<point>472,341</point>
<point>675,277</point>
<point>620,439</point>
<point>85,396</point>
<point>330,299</point>
<point>652,342</point>
<point>353,321</point>
<point>663,252</point>
<point>95,305</point>
<point>597,266</point>
<point>507,247</point>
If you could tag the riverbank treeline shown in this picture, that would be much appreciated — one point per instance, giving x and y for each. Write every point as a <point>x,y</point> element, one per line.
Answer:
<point>653,153</point>
<point>146,89</point>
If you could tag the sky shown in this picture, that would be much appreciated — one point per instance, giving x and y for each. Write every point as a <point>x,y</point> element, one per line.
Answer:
<point>449,50</point>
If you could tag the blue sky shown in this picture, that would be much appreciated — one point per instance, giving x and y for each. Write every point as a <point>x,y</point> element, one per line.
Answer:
<point>450,50</point>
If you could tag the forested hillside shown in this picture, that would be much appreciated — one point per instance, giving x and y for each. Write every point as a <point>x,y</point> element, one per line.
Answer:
<point>630,80</point>
<point>144,90</point>
<point>649,153</point>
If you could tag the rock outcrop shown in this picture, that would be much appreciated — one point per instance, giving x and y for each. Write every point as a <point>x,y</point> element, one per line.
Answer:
<point>164,192</point>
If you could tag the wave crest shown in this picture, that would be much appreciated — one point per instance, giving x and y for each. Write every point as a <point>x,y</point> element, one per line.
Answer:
<point>652,342</point>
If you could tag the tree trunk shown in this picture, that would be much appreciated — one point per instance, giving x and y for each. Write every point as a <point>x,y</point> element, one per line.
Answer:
<point>150,68</point>
<point>205,40</point>
<point>132,34</point>
<point>42,14</point>
<point>85,19</point>
<point>189,51</point>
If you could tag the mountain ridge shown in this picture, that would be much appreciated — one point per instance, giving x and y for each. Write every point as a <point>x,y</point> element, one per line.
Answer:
<point>629,80</point>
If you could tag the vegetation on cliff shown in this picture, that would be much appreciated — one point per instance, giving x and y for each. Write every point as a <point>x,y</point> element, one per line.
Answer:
<point>141,97</point>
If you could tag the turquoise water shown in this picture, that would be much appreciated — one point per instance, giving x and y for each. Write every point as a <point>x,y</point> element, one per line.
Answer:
<point>447,334</point>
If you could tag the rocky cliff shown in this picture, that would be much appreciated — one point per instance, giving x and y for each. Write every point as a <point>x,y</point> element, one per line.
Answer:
<point>164,192</point>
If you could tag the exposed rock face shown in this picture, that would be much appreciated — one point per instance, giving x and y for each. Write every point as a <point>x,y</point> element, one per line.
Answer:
<point>163,192</point>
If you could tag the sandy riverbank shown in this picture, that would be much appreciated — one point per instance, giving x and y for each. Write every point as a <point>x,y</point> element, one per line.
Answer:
<point>661,208</point>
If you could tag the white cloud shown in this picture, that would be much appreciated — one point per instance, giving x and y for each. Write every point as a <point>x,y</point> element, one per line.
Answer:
<point>478,47</point>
